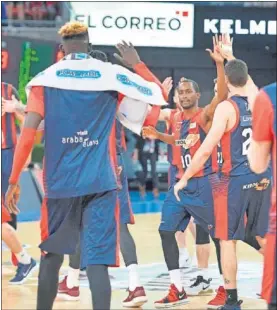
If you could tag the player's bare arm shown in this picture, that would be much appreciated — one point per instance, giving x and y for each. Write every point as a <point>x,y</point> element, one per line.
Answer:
<point>220,124</point>
<point>222,90</point>
<point>152,133</point>
<point>259,152</point>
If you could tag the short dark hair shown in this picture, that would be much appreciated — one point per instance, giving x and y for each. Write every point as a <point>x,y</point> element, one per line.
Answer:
<point>236,71</point>
<point>194,84</point>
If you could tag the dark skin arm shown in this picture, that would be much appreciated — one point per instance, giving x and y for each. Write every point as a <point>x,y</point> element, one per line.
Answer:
<point>152,133</point>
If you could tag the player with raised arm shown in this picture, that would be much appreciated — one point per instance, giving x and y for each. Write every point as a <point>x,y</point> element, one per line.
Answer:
<point>191,127</point>
<point>240,190</point>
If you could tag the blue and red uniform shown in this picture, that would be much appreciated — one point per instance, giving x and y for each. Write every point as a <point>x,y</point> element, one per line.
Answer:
<point>264,130</point>
<point>242,192</point>
<point>126,213</point>
<point>197,198</point>
<point>8,142</point>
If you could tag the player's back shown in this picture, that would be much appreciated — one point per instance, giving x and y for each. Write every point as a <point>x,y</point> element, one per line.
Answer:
<point>77,130</point>
<point>235,142</point>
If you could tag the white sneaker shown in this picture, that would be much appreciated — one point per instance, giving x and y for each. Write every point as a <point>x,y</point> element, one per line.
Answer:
<point>200,286</point>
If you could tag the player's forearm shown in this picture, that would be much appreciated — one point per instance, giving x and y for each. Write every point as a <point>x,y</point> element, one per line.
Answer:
<point>168,139</point>
<point>20,108</point>
<point>142,70</point>
<point>196,165</point>
<point>22,152</point>
<point>258,160</point>
<point>222,89</point>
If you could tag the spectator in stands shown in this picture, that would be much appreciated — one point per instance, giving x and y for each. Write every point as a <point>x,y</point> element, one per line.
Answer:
<point>148,150</point>
<point>15,9</point>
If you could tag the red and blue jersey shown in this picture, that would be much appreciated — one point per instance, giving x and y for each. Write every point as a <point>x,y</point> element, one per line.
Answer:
<point>189,135</point>
<point>8,120</point>
<point>236,141</point>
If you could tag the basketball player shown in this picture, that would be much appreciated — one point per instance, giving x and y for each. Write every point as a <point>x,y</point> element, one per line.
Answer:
<point>263,148</point>
<point>190,129</point>
<point>12,109</point>
<point>240,190</point>
<point>69,287</point>
<point>72,198</point>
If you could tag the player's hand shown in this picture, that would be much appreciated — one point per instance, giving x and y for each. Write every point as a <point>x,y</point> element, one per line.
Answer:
<point>215,54</point>
<point>10,106</point>
<point>12,197</point>
<point>168,84</point>
<point>150,132</point>
<point>179,186</point>
<point>118,170</point>
<point>226,47</point>
<point>128,54</point>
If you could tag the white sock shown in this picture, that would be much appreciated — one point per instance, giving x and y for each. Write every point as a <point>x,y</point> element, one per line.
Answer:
<point>72,277</point>
<point>175,278</point>
<point>23,257</point>
<point>134,280</point>
<point>204,272</point>
<point>183,252</point>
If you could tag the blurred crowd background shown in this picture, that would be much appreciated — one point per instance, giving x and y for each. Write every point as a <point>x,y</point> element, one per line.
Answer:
<point>30,44</point>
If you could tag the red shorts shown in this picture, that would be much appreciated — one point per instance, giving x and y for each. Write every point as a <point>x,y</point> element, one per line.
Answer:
<point>5,215</point>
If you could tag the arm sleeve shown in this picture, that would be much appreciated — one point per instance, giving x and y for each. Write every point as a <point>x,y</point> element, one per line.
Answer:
<point>262,118</point>
<point>36,100</point>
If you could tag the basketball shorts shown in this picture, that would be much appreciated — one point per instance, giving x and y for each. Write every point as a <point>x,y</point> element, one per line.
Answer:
<point>241,206</point>
<point>5,215</point>
<point>126,213</point>
<point>172,172</point>
<point>269,274</point>
<point>92,219</point>
<point>6,166</point>
<point>196,200</point>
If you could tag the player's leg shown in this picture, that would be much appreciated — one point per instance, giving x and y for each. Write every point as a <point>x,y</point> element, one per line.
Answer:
<point>60,218</point>
<point>100,244</point>
<point>154,175</point>
<point>184,257</point>
<point>25,263</point>
<point>201,284</point>
<point>174,218</point>
<point>143,159</point>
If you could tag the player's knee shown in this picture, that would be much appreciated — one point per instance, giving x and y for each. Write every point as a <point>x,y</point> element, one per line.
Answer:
<point>7,231</point>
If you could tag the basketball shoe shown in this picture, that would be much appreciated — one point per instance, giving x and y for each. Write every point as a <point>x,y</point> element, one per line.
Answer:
<point>235,306</point>
<point>200,286</point>
<point>23,272</point>
<point>218,300</point>
<point>135,298</point>
<point>174,298</point>
<point>66,293</point>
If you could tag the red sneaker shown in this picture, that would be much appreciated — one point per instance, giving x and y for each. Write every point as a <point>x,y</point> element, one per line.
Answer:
<point>135,298</point>
<point>219,299</point>
<point>174,298</point>
<point>69,294</point>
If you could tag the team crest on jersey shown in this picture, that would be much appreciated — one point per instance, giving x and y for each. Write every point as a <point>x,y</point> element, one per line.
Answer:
<point>192,125</point>
<point>189,142</point>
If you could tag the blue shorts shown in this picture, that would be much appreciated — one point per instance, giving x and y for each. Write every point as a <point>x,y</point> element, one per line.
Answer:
<point>95,216</point>
<point>126,213</point>
<point>242,206</point>
<point>172,172</point>
<point>6,168</point>
<point>196,201</point>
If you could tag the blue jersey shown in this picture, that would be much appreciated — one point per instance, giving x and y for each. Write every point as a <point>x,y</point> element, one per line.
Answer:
<point>236,141</point>
<point>120,138</point>
<point>77,129</point>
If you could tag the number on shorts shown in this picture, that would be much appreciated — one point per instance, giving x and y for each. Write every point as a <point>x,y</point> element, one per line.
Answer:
<point>247,133</point>
<point>186,160</point>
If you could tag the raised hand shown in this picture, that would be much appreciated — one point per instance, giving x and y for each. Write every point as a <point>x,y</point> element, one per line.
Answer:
<point>226,47</point>
<point>9,106</point>
<point>128,54</point>
<point>168,84</point>
<point>216,54</point>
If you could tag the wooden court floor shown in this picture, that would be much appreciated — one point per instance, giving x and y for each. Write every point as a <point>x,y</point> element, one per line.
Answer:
<point>154,275</point>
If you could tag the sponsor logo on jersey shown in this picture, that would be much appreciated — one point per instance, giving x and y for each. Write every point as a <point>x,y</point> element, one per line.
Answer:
<point>189,142</point>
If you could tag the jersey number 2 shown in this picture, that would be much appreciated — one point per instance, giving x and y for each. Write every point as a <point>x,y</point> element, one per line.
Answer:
<point>246,133</point>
